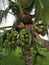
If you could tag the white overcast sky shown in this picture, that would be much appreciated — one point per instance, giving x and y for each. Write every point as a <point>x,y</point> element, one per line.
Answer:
<point>10,18</point>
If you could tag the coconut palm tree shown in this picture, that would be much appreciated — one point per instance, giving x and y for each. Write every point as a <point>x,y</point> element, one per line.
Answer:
<point>24,24</point>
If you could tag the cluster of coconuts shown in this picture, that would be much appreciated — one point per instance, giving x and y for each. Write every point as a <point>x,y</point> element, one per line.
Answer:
<point>11,38</point>
<point>40,30</point>
<point>24,37</point>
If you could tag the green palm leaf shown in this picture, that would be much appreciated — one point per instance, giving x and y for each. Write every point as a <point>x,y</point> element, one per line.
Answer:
<point>42,11</point>
<point>3,13</point>
<point>26,4</point>
<point>41,6</point>
<point>14,7</point>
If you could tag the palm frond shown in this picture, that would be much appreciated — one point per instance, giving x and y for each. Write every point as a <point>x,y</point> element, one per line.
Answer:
<point>27,4</point>
<point>3,13</point>
<point>42,11</point>
<point>14,6</point>
<point>5,27</point>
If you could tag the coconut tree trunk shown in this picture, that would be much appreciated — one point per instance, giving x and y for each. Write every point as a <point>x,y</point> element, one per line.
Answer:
<point>26,51</point>
<point>27,56</point>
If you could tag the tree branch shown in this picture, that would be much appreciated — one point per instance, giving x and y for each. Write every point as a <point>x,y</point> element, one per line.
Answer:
<point>6,27</point>
<point>11,13</point>
<point>42,41</point>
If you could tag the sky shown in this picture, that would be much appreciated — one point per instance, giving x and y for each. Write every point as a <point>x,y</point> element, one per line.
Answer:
<point>8,21</point>
<point>10,18</point>
<point>44,37</point>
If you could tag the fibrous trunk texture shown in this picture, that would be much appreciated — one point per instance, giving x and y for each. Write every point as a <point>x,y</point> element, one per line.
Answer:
<point>27,56</point>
